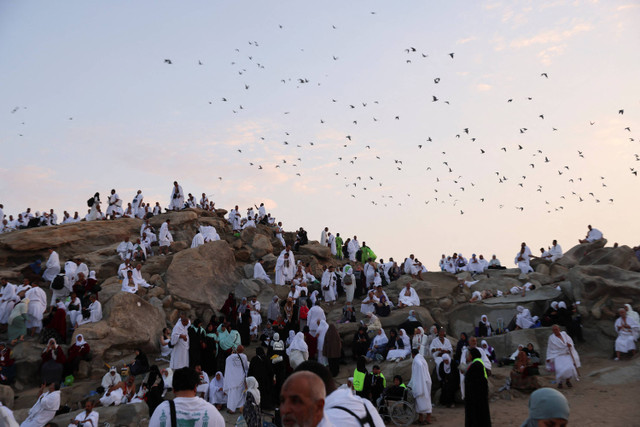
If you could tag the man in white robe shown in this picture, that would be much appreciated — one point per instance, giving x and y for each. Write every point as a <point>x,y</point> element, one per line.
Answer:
<point>37,307</point>
<point>474,265</point>
<point>262,212</point>
<point>235,374</point>
<point>285,271</point>
<point>328,284</point>
<point>555,251</point>
<point>137,203</point>
<point>52,266</point>
<point>180,342</point>
<point>256,317</point>
<point>562,353</point>
<point>259,273</point>
<point>198,240</point>
<point>627,329</point>
<point>128,284</point>
<point>439,346</point>
<point>176,200</point>
<point>234,218</point>
<point>125,249</point>
<point>86,418</point>
<point>348,282</point>
<point>316,314</point>
<point>115,204</point>
<point>331,242</point>
<point>524,320</point>
<point>420,385</point>
<point>164,237</point>
<point>408,264</point>
<point>408,297</point>
<point>81,267</point>
<point>45,407</point>
<point>8,300</point>
<point>209,233</point>
<point>592,235</point>
<point>353,247</point>
<point>249,224</point>
<point>323,236</point>
<point>280,234</point>
<point>522,261</point>
<point>95,312</point>
<point>137,277</point>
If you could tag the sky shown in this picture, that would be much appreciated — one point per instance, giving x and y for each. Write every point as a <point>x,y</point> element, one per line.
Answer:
<point>425,127</point>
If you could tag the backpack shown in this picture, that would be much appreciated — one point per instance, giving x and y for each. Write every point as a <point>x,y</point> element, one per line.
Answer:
<point>347,279</point>
<point>90,202</point>
<point>58,282</point>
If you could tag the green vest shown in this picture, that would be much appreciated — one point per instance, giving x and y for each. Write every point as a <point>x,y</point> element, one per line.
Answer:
<point>358,380</point>
<point>483,368</point>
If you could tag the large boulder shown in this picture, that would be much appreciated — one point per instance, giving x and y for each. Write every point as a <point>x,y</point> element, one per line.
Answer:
<point>128,322</point>
<point>622,257</point>
<point>204,275</point>
<point>465,317</point>
<point>317,250</point>
<point>573,256</point>
<point>69,240</point>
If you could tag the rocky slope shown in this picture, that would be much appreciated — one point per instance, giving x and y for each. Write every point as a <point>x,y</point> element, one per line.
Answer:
<point>198,280</point>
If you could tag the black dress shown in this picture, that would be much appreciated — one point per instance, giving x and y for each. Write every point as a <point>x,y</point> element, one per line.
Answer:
<point>260,368</point>
<point>476,401</point>
<point>450,383</point>
<point>195,346</point>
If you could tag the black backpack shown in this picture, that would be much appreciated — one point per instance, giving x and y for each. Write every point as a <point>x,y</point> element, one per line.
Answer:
<point>58,282</point>
<point>90,202</point>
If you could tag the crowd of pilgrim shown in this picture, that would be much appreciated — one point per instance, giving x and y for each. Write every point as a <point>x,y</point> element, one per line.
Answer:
<point>289,334</point>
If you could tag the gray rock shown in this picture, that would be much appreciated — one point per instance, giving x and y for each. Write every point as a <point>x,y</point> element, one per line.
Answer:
<point>247,287</point>
<point>6,396</point>
<point>506,344</point>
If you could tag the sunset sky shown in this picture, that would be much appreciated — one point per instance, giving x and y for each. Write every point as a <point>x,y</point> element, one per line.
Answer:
<point>517,137</point>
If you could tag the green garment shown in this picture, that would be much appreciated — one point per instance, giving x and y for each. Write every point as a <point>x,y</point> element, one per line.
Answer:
<point>229,340</point>
<point>366,254</point>
<point>358,380</point>
<point>339,243</point>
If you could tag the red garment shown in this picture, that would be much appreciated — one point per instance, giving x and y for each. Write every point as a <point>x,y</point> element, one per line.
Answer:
<point>312,343</point>
<point>5,358</point>
<point>59,323</point>
<point>304,311</point>
<point>47,355</point>
<point>75,351</point>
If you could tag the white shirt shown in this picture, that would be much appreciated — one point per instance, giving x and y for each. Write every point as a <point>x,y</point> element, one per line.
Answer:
<point>192,411</point>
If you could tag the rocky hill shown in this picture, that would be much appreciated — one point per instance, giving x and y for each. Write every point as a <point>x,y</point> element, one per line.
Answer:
<point>198,280</point>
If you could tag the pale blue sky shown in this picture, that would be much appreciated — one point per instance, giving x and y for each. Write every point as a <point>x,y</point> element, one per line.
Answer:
<point>140,123</point>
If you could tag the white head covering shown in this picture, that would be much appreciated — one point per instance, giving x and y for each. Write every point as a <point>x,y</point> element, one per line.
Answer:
<point>92,275</point>
<point>380,339</point>
<point>447,366</point>
<point>314,297</point>
<point>484,319</point>
<point>298,343</point>
<point>520,309</point>
<point>554,305</point>
<point>562,304</point>
<point>80,340</point>
<point>252,387</point>
<point>292,335</point>
<point>405,339</point>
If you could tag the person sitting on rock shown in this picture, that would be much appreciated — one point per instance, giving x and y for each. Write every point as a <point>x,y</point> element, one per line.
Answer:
<point>128,284</point>
<point>368,303</point>
<point>378,346</point>
<point>259,273</point>
<point>494,264</point>
<point>91,314</point>
<point>348,314</point>
<point>382,307</point>
<point>118,393</point>
<point>78,351</point>
<point>123,268</point>
<point>551,315</point>
<point>400,346</point>
<point>44,410</point>
<point>592,235</point>
<point>125,249</point>
<point>408,297</point>
<point>522,261</point>
<point>511,359</point>
<point>474,265</point>
<point>524,320</point>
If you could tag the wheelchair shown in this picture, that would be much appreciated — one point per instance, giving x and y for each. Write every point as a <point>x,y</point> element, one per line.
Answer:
<point>400,410</point>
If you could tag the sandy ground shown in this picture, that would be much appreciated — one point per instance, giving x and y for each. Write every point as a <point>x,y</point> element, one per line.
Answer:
<point>608,394</point>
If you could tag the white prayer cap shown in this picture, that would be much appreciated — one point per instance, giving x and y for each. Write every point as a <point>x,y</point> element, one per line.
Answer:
<point>113,369</point>
<point>92,275</point>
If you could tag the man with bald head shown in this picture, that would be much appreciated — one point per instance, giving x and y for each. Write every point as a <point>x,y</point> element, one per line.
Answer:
<point>302,401</point>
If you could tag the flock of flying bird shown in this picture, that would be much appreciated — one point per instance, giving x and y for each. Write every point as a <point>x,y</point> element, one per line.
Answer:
<point>450,185</point>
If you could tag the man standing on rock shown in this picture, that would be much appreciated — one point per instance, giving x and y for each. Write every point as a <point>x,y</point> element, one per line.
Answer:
<point>562,356</point>
<point>180,342</point>
<point>176,201</point>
